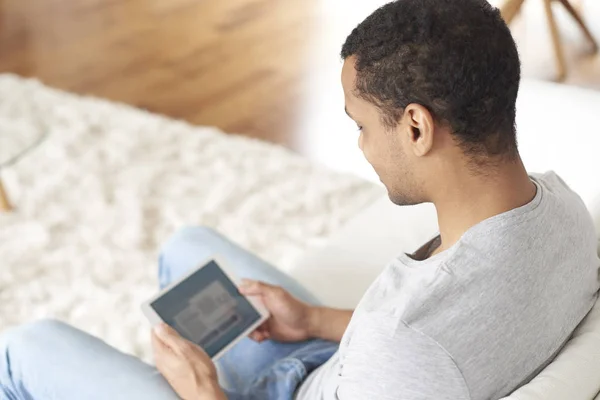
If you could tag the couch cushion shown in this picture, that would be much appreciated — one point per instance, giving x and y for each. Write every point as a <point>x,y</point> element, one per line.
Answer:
<point>575,373</point>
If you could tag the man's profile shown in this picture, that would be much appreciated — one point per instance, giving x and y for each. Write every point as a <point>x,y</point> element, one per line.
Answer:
<point>473,314</point>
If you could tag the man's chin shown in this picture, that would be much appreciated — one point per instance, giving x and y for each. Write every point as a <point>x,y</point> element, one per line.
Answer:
<point>397,197</point>
<point>401,199</point>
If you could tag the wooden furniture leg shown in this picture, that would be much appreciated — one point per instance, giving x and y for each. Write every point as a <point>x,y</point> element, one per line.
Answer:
<point>580,22</point>
<point>558,50</point>
<point>510,9</point>
<point>4,202</point>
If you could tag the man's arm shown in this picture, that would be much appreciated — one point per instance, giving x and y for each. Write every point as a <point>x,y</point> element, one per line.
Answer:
<point>293,320</point>
<point>328,323</point>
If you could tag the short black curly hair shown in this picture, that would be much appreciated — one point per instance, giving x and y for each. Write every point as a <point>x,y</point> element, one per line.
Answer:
<point>457,58</point>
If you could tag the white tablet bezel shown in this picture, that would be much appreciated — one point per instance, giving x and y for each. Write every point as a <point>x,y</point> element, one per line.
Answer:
<point>155,319</point>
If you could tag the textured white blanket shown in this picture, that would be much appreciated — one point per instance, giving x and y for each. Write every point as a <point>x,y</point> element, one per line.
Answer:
<point>111,182</point>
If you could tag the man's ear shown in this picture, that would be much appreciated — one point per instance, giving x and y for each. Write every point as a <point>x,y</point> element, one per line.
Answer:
<point>420,129</point>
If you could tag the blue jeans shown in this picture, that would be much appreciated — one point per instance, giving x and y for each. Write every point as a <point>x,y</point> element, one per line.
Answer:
<point>52,361</point>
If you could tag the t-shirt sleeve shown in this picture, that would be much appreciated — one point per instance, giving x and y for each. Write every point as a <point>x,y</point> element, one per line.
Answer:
<point>406,365</point>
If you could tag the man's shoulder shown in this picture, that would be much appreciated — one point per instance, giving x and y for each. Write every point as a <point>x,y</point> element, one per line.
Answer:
<point>559,191</point>
<point>565,217</point>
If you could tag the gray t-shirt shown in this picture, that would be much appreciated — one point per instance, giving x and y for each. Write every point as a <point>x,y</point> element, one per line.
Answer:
<point>475,321</point>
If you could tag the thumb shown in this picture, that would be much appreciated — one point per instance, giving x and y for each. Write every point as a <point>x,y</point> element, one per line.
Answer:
<point>254,288</point>
<point>170,337</point>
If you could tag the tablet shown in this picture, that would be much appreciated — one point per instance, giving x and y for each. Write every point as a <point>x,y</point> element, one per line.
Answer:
<point>206,308</point>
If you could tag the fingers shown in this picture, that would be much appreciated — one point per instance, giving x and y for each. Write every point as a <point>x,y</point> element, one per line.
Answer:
<point>164,357</point>
<point>258,336</point>
<point>158,345</point>
<point>169,337</point>
<point>261,333</point>
<point>255,288</point>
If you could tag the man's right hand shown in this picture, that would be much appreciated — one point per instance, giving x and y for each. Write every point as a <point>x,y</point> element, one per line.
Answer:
<point>290,318</point>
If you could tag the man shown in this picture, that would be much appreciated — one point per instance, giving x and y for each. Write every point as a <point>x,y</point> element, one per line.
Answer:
<point>471,315</point>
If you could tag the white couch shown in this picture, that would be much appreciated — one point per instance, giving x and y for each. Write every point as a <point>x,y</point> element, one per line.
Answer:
<point>559,129</point>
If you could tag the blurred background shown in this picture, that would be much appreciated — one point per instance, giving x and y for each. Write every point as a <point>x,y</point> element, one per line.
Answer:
<point>268,69</point>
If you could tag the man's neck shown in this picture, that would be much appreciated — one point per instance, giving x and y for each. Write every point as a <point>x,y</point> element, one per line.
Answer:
<point>468,199</point>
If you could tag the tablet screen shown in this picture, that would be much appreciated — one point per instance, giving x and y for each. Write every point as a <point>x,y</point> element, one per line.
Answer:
<point>207,309</point>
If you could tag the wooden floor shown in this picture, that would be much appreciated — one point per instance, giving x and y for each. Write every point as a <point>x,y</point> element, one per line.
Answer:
<point>264,68</point>
<point>236,64</point>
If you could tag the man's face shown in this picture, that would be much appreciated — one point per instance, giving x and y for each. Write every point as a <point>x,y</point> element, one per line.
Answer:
<point>382,146</point>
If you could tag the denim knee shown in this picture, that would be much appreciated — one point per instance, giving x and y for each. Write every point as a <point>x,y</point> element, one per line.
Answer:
<point>181,248</point>
<point>24,336</point>
<point>185,235</point>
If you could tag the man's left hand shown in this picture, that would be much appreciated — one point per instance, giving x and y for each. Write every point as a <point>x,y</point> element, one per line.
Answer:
<point>187,368</point>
